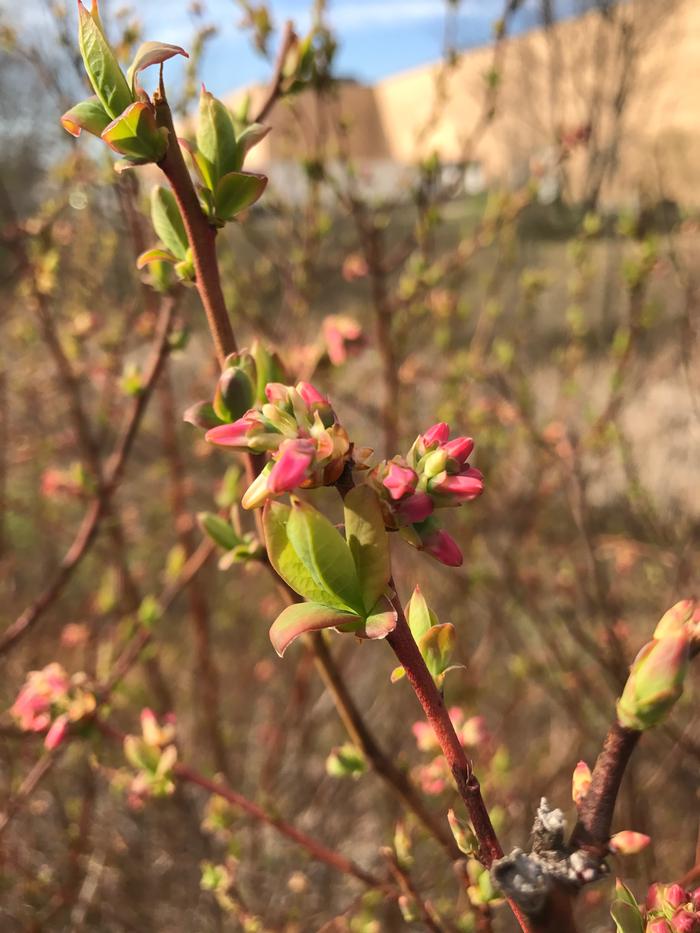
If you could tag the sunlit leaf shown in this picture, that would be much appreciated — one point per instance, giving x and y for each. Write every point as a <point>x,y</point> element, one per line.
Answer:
<point>300,618</point>
<point>88,115</point>
<point>167,221</point>
<point>326,556</point>
<point>134,134</point>
<point>101,64</point>
<point>237,191</point>
<point>368,542</point>
<point>151,53</point>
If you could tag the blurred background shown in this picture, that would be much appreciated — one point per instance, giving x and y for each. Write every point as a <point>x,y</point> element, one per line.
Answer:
<point>482,213</point>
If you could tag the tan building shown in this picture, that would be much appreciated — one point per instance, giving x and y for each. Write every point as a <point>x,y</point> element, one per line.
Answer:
<point>621,90</point>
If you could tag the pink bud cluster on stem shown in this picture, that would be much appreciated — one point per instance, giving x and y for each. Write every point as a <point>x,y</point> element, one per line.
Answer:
<point>298,427</point>
<point>434,474</point>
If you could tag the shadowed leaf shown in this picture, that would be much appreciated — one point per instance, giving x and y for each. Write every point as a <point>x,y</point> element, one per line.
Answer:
<point>368,543</point>
<point>303,617</point>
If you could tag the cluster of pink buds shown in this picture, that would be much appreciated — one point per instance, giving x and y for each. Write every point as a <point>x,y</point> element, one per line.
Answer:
<point>433,777</point>
<point>49,701</point>
<point>434,474</point>
<point>298,427</point>
<point>670,908</point>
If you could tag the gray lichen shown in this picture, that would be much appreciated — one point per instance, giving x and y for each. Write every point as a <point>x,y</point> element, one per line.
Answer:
<point>528,878</point>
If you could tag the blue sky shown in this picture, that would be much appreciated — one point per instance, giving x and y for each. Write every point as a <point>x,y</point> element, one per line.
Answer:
<point>377,37</point>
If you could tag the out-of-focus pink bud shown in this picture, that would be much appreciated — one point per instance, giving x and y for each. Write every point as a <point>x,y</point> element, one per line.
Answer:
<point>675,895</point>
<point>150,727</point>
<point>289,471</point>
<point>232,435</point>
<point>674,621</point>
<point>655,682</point>
<point>443,547</point>
<point>310,394</point>
<point>416,508</point>
<point>460,449</point>
<point>474,732</point>
<point>685,921</point>
<point>461,486</point>
<point>399,480</point>
<point>276,392</point>
<point>628,842</point>
<point>695,899</point>
<point>57,732</point>
<point>580,782</point>
<point>658,926</point>
<point>425,737</point>
<point>437,434</point>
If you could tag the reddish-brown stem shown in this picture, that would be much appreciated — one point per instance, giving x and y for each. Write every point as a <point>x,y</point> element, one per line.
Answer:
<point>200,233</point>
<point>274,88</point>
<point>404,647</point>
<point>596,810</point>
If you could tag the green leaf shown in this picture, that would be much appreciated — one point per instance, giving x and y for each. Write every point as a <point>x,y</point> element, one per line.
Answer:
<point>284,558</point>
<point>167,221</point>
<point>151,53</point>
<point>627,918</point>
<point>300,618</point>
<point>134,134</point>
<point>101,64</point>
<point>326,556</point>
<point>249,138</point>
<point>88,115</point>
<point>216,138</point>
<point>237,191</point>
<point>420,618</point>
<point>436,646</point>
<point>219,530</point>
<point>368,542</point>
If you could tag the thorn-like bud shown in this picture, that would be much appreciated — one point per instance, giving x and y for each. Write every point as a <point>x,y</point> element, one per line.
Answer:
<point>580,782</point>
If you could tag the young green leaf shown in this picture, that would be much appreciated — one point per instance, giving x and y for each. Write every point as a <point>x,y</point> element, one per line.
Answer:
<point>154,255</point>
<point>88,115</point>
<point>237,191</point>
<point>216,138</point>
<point>167,221</point>
<point>250,137</point>
<point>326,556</point>
<point>627,918</point>
<point>101,64</point>
<point>420,618</point>
<point>151,53</point>
<point>284,558</point>
<point>219,530</point>
<point>436,645</point>
<point>134,134</point>
<point>368,542</point>
<point>300,618</point>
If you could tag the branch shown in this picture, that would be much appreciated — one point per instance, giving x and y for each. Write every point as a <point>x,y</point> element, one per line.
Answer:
<point>274,88</point>
<point>99,506</point>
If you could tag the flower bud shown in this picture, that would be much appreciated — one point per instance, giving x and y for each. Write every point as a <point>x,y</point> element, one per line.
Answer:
<point>57,732</point>
<point>463,487</point>
<point>580,782</point>
<point>685,921</point>
<point>234,394</point>
<point>437,434</point>
<point>434,463</point>
<point>460,449</point>
<point>415,508</point>
<point>675,620</point>
<point>655,682</point>
<point>442,546</point>
<point>628,842</point>
<point>400,481</point>
<point>290,468</point>
<point>658,926</point>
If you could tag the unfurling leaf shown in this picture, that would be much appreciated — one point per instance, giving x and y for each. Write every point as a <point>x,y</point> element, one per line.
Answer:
<point>88,115</point>
<point>101,63</point>
<point>368,542</point>
<point>436,646</point>
<point>326,556</point>
<point>249,138</point>
<point>219,530</point>
<point>299,618</point>
<point>167,221</point>
<point>216,138</point>
<point>237,191</point>
<point>420,618</point>
<point>134,134</point>
<point>284,558</point>
<point>151,53</point>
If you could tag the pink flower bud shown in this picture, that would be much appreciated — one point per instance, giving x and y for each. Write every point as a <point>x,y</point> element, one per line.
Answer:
<point>291,465</point>
<point>685,921</point>
<point>655,682</point>
<point>580,782</point>
<point>416,508</point>
<point>56,733</point>
<point>658,926</point>
<point>233,435</point>
<point>444,548</point>
<point>437,434</point>
<point>462,487</point>
<point>460,449</point>
<point>311,395</point>
<point>675,895</point>
<point>399,480</point>
<point>628,842</point>
<point>675,619</point>
<point>276,392</point>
